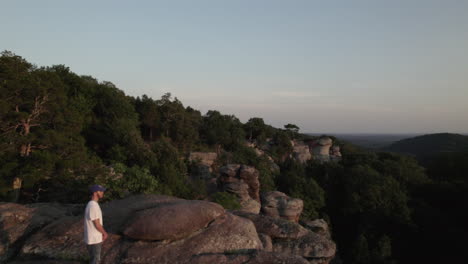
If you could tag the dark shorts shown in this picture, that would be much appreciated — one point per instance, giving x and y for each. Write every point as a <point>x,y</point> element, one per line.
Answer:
<point>94,251</point>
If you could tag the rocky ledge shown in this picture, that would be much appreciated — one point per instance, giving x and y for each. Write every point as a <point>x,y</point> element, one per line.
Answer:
<point>158,229</point>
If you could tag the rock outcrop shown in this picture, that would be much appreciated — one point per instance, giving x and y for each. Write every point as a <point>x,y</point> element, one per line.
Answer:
<point>203,158</point>
<point>279,205</point>
<point>318,226</point>
<point>301,151</point>
<point>289,238</point>
<point>321,148</point>
<point>242,181</point>
<point>17,222</point>
<point>158,229</point>
<point>202,165</point>
<point>228,233</point>
<point>171,221</point>
<point>335,153</point>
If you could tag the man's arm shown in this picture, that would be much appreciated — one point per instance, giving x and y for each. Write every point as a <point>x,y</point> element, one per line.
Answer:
<point>100,228</point>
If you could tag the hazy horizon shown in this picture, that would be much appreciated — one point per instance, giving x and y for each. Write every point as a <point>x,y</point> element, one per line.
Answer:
<point>360,67</point>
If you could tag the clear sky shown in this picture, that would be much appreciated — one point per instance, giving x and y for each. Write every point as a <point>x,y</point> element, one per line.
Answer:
<point>375,66</point>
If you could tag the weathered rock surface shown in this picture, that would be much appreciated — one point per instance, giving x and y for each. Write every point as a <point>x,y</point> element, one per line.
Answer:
<point>254,257</point>
<point>18,221</point>
<point>234,173</point>
<point>117,212</point>
<point>274,227</point>
<point>202,165</point>
<point>63,239</point>
<point>318,226</point>
<point>250,175</point>
<point>279,205</point>
<point>251,206</point>
<point>242,181</point>
<point>204,234</point>
<point>311,246</point>
<point>290,238</point>
<point>174,220</point>
<point>301,152</point>
<point>227,233</point>
<point>204,158</point>
<point>266,242</point>
<point>321,148</point>
<point>335,153</point>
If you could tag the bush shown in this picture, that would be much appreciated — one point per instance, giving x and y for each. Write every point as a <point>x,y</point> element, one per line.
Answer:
<point>227,200</point>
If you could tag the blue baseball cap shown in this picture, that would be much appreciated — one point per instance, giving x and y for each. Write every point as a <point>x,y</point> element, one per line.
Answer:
<point>96,188</point>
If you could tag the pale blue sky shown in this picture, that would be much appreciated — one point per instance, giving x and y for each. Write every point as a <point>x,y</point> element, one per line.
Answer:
<point>375,66</point>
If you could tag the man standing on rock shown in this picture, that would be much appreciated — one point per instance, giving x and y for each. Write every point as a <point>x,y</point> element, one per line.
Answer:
<point>94,233</point>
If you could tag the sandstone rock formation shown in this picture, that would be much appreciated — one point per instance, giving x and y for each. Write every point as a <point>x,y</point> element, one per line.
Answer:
<point>279,205</point>
<point>274,227</point>
<point>18,221</point>
<point>174,220</point>
<point>185,232</point>
<point>321,148</point>
<point>204,158</point>
<point>242,181</point>
<point>228,233</point>
<point>290,238</point>
<point>335,153</point>
<point>301,151</point>
<point>314,247</point>
<point>318,226</point>
<point>202,164</point>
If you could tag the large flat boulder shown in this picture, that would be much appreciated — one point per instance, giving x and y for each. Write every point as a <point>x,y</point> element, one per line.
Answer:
<point>226,233</point>
<point>116,213</point>
<point>173,220</point>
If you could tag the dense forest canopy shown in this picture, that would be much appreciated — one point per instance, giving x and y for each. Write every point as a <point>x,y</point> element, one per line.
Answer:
<point>61,132</point>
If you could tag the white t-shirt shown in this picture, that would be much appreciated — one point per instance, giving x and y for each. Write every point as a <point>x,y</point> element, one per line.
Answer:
<point>92,212</point>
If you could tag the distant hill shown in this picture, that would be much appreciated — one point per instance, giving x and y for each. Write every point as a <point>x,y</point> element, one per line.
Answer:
<point>428,145</point>
<point>369,141</point>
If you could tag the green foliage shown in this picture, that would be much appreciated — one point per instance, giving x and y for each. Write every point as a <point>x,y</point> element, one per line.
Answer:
<point>294,182</point>
<point>223,130</point>
<point>292,130</point>
<point>367,191</point>
<point>360,251</point>
<point>170,170</point>
<point>282,147</point>
<point>168,118</point>
<point>257,130</point>
<point>227,200</point>
<point>125,181</point>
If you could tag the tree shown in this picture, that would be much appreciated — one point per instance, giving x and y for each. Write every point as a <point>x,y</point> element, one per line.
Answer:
<point>292,128</point>
<point>293,181</point>
<point>222,130</point>
<point>149,116</point>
